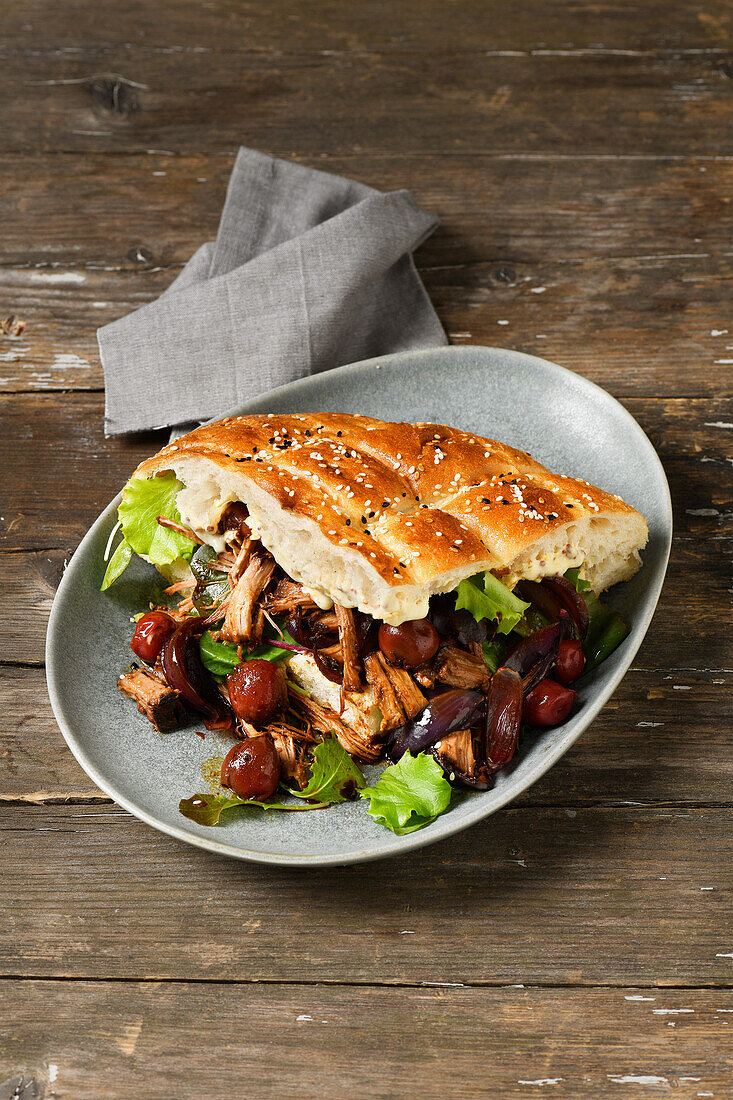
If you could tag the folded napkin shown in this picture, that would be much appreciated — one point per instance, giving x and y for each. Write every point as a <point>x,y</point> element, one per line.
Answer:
<point>308,271</point>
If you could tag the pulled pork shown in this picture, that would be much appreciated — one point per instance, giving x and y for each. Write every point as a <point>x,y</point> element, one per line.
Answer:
<point>409,696</point>
<point>244,619</point>
<point>291,745</point>
<point>460,669</point>
<point>349,647</point>
<point>359,739</point>
<point>455,754</point>
<point>393,715</point>
<point>161,705</point>
<point>288,597</point>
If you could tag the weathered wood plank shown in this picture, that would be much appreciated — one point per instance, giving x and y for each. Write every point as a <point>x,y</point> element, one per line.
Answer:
<point>76,211</point>
<point>658,740</point>
<point>616,893</point>
<point>639,326</point>
<point>406,102</point>
<point>160,1040</point>
<point>177,27</point>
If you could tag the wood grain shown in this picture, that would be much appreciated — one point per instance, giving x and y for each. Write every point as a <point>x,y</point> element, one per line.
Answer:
<point>436,102</point>
<point>576,154</point>
<point>175,1040</point>
<point>592,316</point>
<point>105,896</point>
<point>159,210</point>
<point>176,26</point>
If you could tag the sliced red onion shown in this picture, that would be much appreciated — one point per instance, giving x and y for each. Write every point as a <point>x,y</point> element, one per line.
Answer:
<point>445,713</point>
<point>571,600</point>
<point>312,638</point>
<point>185,673</point>
<point>542,598</point>
<point>328,668</point>
<point>503,716</point>
<point>535,655</point>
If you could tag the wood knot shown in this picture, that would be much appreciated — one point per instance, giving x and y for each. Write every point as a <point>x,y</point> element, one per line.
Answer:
<point>725,67</point>
<point>21,1087</point>
<point>141,255</point>
<point>113,94</point>
<point>505,274</point>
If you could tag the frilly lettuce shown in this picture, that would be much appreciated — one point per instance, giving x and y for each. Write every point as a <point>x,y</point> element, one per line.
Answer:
<point>409,794</point>
<point>487,598</point>
<point>143,500</point>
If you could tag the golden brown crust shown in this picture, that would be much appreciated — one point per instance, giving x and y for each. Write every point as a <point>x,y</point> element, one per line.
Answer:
<point>414,500</point>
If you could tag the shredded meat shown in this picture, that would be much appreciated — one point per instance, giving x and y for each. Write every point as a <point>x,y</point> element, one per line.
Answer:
<point>410,697</point>
<point>349,647</point>
<point>242,623</point>
<point>161,705</point>
<point>189,534</point>
<point>359,740</point>
<point>460,669</point>
<point>328,621</point>
<point>455,753</point>
<point>425,676</point>
<point>288,597</point>
<point>392,713</point>
<point>239,564</point>
<point>291,745</point>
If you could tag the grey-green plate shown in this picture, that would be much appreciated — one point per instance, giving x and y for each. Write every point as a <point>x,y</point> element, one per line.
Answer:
<point>566,422</point>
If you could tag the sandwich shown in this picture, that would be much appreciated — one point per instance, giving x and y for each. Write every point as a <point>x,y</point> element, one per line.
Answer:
<point>401,591</point>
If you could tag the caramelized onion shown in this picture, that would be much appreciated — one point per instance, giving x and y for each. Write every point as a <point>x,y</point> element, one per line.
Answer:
<point>571,600</point>
<point>185,673</point>
<point>503,716</point>
<point>535,655</point>
<point>553,595</point>
<point>445,713</point>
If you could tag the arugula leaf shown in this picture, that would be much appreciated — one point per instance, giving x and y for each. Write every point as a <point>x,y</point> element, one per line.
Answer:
<point>118,563</point>
<point>409,794</point>
<point>212,585</point>
<point>206,809</point>
<point>220,658</point>
<point>606,628</point>
<point>487,598</point>
<point>573,575</point>
<point>494,653</point>
<point>333,772</point>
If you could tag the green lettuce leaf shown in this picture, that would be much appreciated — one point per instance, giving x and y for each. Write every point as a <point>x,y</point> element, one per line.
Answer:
<point>494,653</point>
<point>118,563</point>
<point>143,500</point>
<point>409,794</point>
<point>606,628</point>
<point>334,775</point>
<point>487,598</point>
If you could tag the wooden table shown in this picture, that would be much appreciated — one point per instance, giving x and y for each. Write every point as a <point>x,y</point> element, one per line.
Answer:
<point>580,942</point>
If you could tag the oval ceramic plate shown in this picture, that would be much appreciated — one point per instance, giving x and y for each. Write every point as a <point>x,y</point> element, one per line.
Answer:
<point>566,422</point>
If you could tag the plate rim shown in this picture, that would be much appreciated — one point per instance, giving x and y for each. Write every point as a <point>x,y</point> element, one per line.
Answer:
<point>441,828</point>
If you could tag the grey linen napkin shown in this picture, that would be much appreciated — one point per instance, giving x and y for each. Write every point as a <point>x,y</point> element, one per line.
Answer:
<point>308,271</point>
